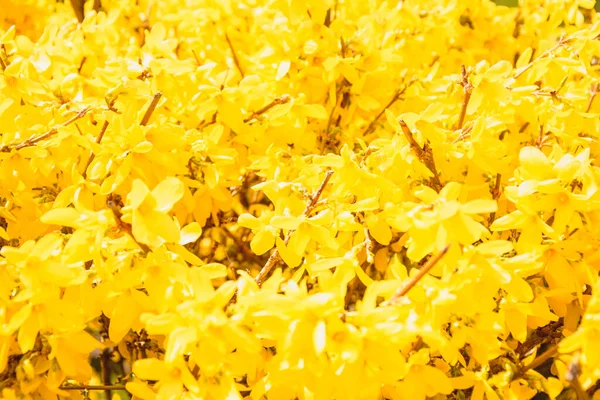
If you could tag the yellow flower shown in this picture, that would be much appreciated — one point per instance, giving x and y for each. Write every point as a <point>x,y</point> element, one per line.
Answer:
<point>147,211</point>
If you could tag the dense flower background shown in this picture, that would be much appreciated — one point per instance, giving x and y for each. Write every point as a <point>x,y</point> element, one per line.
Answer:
<point>292,199</point>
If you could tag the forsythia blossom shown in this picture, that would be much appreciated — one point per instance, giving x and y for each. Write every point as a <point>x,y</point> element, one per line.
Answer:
<point>299,199</point>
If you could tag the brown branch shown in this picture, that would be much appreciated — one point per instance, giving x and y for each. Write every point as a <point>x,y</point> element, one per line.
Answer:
<point>541,141</point>
<point>495,195</point>
<point>32,141</point>
<point>236,61</point>
<point>404,289</point>
<point>124,226</point>
<point>105,372</point>
<point>275,257</point>
<point>338,99</point>
<point>204,124</point>
<point>541,335</point>
<point>397,96</point>
<point>4,55</point>
<point>539,360</point>
<point>105,355</point>
<point>561,42</point>
<point>468,90</point>
<point>593,92</point>
<point>92,387</point>
<point>98,140</point>
<point>196,57</point>
<point>151,108</point>
<point>464,133</point>
<point>280,100</point>
<point>78,8</point>
<point>425,155</point>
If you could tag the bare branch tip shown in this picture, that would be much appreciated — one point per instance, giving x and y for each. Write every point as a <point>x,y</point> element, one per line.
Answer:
<point>155,99</point>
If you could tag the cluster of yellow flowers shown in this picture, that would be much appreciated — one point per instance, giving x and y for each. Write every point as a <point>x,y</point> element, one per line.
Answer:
<point>299,199</point>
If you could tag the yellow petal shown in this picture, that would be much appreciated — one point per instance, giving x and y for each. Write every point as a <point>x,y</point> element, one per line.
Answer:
<point>316,111</point>
<point>462,382</point>
<point>519,288</point>
<point>379,229</point>
<point>285,222</point>
<point>214,270</point>
<point>516,219</point>
<point>322,235</point>
<point>190,233</point>
<point>160,225</point>
<point>479,206</point>
<point>282,70</point>
<point>517,323</point>
<point>534,163</point>
<point>250,221</point>
<point>17,319</point>
<point>167,193</point>
<point>179,340</point>
<point>137,195</point>
<point>495,247</point>
<point>151,369</point>
<point>451,191</point>
<point>61,216</point>
<point>28,333</point>
<point>262,242</point>
<point>287,254</point>
<point>140,390</point>
<point>124,315</point>
<point>320,337</point>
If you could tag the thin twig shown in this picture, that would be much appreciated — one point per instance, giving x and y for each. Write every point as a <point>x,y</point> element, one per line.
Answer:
<point>338,99</point>
<point>236,61</point>
<point>98,140</point>
<point>279,100</point>
<point>397,96</point>
<point>4,55</point>
<point>83,60</point>
<point>539,360</point>
<point>593,92</point>
<point>212,121</point>
<point>78,8</point>
<point>92,387</point>
<point>105,371</point>
<point>124,225</point>
<point>151,108</point>
<point>464,133</point>
<point>468,90</point>
<point>541,139</point>
<point>275,257</point>
<point>196,58</point>
<point>496,195</point>
<point>561,42</point>
<point>411,140</point>
<point>404,289</point>
<point>541,335</point>
<point>425,155</point>
<point>44,136</point>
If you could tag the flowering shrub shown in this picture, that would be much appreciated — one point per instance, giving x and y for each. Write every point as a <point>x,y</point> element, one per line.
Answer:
<point>276,199</point>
